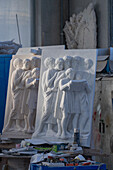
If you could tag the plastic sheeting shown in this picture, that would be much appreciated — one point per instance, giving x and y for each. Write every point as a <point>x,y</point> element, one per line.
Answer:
<point>4,73</point>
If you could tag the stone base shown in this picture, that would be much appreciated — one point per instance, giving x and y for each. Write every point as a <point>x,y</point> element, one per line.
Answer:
<point>43,139</point>
<point>16,135</point>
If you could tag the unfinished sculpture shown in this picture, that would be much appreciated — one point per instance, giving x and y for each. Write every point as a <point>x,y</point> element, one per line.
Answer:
<point>80,31</point>
<point>66,96</point>
<point>24,91</point>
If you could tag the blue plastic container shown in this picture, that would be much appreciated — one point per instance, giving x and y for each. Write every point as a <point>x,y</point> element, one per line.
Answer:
<point>4,74</point>
<point>90,167</point>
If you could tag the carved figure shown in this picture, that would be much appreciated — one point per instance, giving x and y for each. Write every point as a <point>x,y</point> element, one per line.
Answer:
<point>27,73</point>
<point>67,103</point>
<point>49,96</point>
<point>17,91</point>
<point>18,78</point>
<point>74,103</point>
<point>49,64</point>
<point>27,66</point>
<point>81,89</point>
<point>32,85</point>
<point>61,74</point>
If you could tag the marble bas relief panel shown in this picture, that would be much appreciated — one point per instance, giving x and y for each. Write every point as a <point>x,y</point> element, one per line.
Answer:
<point>66,93</point>
<point>22,96</point>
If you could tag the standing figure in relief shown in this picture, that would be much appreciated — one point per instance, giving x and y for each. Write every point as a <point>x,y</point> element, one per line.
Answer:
<point>60,75</point>
<point>49,97</point>
<point>67,103</point>
<point>81,90</point>
<point>32,85</point>
<point>26,73</point>
<point>50,65</point>
<point>74,102</point>
<point>17,92</point>
<point>28,65</point>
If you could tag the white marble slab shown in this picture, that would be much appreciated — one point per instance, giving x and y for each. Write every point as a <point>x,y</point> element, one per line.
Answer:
<point>49,101</point>
<point>11,131</point>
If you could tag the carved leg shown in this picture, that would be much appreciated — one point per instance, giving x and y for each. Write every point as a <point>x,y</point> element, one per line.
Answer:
<point>8,126</point>
<point>26,124</point>
<point>59,128</point>
<point>42,122</point>
<point>50,131</point>
<point>30,122</point>
<point>70,123</point>
<point>18,125</point>
<point>64,125</point>
<point>34,117</point>
<point>83,123</point>
<point>10,121</point>
<point>40,128</point>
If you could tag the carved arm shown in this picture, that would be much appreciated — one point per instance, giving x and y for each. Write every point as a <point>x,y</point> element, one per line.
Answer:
<point>64,86</point>
<point>49,82</point>
<point>30,84</point>
<point>56,83</point>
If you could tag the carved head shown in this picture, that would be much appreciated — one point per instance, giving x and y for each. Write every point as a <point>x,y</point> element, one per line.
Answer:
<point>77,62</point>
<point>59,64</point>
<point>88,63</point>
<point>35,62</point>
<point>18,63</point>
<point>26,64</point>
<point>67,62</point>
<point>49,62</point>
<point>36,72</point>
<point>70,73</point>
